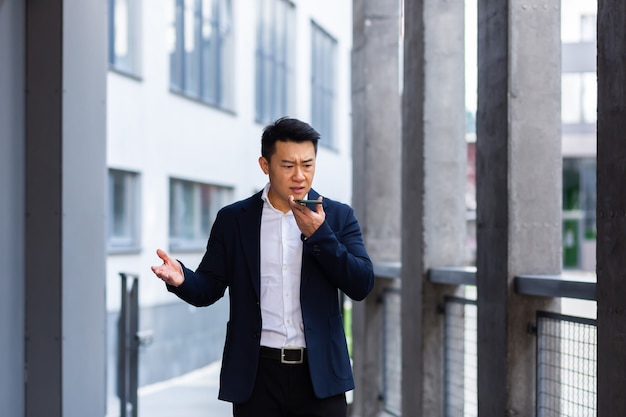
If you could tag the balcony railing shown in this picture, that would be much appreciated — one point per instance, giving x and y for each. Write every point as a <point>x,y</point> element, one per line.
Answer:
<point>565,354</point>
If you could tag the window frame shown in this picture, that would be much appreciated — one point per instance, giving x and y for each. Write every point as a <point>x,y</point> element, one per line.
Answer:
<point>201,68</point>
<point>579,98</point>
<point>129,64</point>
<point>131,209</point>
<point>323,84</point>
<point>274,60</point>
<point>202,216</point>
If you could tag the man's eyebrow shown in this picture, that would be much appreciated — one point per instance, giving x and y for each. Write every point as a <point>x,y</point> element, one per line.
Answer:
<point>289,161</point>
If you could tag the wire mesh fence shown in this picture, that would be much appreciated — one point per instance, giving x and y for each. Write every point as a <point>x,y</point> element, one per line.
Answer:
<point>566,360</point>
<point>460,340</point>
<point>566,366</point>
<point>391,352</point>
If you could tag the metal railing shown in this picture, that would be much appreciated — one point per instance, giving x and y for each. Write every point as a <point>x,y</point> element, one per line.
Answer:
<point>566,366</point>
<point>391,351</point>
<point>460,357</point>
<point>565,348</point>
<point>129,339</point>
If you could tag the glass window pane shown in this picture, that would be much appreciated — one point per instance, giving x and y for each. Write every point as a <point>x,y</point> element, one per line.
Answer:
<point>201,66</point>
<point>274,54</point>
<point>210,50</point>
<point>322,83</point>
<point>120,214</point>
<point>190,50</point>
<point>590,97</point>
<point>193,208</point>
<point>123,228</point>
<point>124,36</point>
<point>570,98</point>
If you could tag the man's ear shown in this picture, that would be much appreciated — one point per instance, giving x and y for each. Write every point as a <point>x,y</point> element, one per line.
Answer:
<point>264,165</point>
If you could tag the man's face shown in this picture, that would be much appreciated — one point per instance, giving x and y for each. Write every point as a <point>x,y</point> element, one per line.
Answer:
<point>290,169</point>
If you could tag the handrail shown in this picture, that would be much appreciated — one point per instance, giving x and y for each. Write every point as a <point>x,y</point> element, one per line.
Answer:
<point>465,275</point>
<point>387,270</point>
<point>579,287</point>
<point>567,285</point>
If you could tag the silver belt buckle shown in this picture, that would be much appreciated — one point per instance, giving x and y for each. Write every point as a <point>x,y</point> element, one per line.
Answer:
<point>288,362</point>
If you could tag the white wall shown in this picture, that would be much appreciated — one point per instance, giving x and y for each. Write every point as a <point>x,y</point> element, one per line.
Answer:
<point>160,135</point>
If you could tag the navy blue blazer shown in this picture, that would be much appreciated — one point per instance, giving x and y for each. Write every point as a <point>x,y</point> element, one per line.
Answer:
<point>333,258</point>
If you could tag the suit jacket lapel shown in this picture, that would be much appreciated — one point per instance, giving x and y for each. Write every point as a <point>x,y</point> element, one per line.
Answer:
<point>304,273</point>
<point>250,236</point>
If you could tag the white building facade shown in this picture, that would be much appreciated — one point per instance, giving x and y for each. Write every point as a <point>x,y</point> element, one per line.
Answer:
<point>191,85</point>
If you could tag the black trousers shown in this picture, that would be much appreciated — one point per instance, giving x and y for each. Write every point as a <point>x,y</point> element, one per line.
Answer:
<point>283,390</point>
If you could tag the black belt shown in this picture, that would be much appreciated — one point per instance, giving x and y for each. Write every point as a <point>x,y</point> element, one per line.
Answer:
<point>289,356</point>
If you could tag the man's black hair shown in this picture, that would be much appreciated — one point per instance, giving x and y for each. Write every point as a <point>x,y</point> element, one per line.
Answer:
<point>286,129</point>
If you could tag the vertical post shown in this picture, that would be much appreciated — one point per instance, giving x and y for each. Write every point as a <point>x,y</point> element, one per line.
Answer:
<point>376,127</point>
<point>433,190</point>
<point>518,191</point>
<point>128,346</point>
<point>65,177</point>
<point>122,357</point>
<point>132,341</point>
<point>611,207</point>
<point>12,298</point>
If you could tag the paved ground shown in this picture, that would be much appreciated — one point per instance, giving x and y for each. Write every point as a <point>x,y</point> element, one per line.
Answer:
<point>191,395</point>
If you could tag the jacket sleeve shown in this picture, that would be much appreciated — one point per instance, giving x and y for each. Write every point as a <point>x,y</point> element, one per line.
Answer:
<point>208,282</point>
<point>338,249</point>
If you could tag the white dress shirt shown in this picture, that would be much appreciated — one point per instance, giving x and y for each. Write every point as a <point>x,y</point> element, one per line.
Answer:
<point>281,264</point>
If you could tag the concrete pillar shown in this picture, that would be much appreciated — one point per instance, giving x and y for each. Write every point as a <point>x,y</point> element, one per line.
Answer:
<point>518,191</point>
<point>376,127</point>
<point>611,208</point>
<point>65,168</point>
<point>433,190</point>
<point>12,211</point>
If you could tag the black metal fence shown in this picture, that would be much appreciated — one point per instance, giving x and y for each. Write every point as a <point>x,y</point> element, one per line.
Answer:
<point>566,366</point>
<point>129,340</point>
<point>566,346</point>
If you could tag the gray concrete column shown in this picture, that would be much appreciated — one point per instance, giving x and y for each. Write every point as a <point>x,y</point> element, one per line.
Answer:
<point>611,207</point>
<point>518,191</point>
<point>433,190</point>
<point>65,195</point>
<point>376,127</point>
<point>12,207</point>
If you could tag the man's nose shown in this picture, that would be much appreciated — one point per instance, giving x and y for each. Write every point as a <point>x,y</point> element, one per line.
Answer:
<point>298,173</point>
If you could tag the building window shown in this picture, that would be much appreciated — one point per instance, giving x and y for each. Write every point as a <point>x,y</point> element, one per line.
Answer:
<point>579,94</point>
<point>274,57</point>
<point>323,50</point>
<point>124,39</point>
<point>579,211</point>
<point>123,211</point>
<point>201,47</point>
<point>193,207</point>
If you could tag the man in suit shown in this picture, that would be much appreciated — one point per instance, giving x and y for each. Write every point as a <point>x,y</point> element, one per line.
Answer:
<point>284,263</point>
